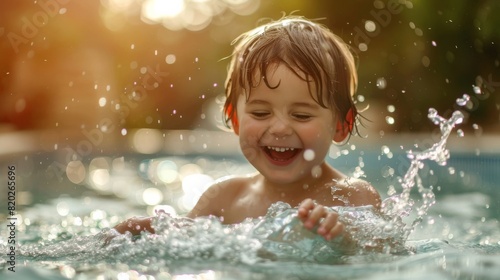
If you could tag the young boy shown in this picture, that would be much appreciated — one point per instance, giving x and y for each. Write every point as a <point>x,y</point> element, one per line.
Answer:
<point>289,95</point>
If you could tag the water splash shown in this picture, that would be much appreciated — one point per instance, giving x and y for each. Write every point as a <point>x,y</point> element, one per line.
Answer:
<point>401,205</point>
<point>277,236</point>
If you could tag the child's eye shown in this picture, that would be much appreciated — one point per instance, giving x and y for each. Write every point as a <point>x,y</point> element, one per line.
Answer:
<point>259,114</point>
<point>302,117</point>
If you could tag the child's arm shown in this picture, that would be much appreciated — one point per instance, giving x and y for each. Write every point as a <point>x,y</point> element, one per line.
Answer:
<point>135,225</point>
<point>204,207</point>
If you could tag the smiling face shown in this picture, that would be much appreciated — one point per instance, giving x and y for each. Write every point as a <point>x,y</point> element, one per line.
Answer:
<point>284,133</point>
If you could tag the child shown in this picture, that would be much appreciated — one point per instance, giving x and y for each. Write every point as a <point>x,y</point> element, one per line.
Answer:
<point>289,94</point>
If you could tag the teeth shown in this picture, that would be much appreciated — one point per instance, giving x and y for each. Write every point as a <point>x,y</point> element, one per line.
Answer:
<point>280,149</point>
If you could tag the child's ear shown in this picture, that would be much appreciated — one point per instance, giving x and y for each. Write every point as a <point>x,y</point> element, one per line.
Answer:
<point>344,127</point>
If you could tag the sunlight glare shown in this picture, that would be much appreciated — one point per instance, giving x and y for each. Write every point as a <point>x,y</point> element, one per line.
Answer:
<point>156,10</point>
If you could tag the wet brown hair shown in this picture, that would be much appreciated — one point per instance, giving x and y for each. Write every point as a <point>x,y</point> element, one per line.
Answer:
<point>301,45</point>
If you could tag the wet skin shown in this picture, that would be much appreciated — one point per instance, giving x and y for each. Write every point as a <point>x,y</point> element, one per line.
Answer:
<point>285,134</point>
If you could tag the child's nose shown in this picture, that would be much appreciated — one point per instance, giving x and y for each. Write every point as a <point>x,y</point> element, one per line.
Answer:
<point>280,127</point>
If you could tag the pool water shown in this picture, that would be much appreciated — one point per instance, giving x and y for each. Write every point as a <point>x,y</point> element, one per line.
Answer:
<point>454,235</point>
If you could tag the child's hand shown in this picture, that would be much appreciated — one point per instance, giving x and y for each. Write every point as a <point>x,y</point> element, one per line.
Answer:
<point>313,214</point>
<point>135,225</point>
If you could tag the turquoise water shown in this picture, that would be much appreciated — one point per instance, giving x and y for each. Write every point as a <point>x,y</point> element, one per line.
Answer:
<point>440,221</point>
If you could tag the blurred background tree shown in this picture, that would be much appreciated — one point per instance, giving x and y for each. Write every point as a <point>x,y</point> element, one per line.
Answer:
<point>159,63</point>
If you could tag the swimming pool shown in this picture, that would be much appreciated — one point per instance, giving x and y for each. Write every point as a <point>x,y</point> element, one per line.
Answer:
<point>63,221</point>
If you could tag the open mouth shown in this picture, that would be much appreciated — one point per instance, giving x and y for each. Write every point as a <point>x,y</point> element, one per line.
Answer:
<point>281,155</point>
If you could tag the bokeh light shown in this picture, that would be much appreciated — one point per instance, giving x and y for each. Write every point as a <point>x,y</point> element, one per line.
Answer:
<point>99,179</point>
<point>152,196</point>
<point>75,171</point>
<point>147,141</point>
<point>193,15</point>
<point>167,171</point>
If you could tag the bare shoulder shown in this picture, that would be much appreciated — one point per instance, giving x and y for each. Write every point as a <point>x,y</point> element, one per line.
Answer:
<point>218,196</point>
<point>359,192</point>
<point>228,186</point>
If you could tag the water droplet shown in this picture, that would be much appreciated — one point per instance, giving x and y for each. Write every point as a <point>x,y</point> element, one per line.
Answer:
<point>460,133</point>
<point>132,46</point>
<point>370,26</point>
<point>170,59</point>
<point>391,108</point>
<point>363,47</point>
<point>389,120</point>
<point>124,131</point>
<point>381,83</point>
<point>387,171</point>
<point>104,128</point>
<point>434,43</point>
<point>433,116</point>
<point>457,117</point>
<point>316,171</point>
<point>463,101</point>
<point>476,89</point>
<point>309,155</point>
<point>102,101</point>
